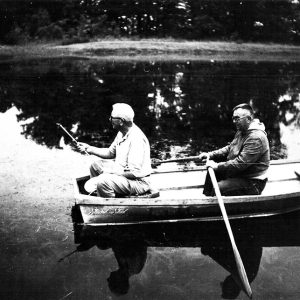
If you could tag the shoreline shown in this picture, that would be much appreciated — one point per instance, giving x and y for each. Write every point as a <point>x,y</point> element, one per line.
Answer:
<point>156,50</point>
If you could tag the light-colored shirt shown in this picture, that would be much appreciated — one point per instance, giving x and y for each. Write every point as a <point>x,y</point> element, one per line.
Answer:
<point>132,152</point>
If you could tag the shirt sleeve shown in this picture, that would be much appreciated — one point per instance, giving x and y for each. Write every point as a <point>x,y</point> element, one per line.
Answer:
<point>220,153</point>
<point>113,146</point>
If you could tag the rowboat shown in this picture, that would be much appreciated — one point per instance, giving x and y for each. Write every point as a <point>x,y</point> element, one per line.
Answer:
<point>181,198</point>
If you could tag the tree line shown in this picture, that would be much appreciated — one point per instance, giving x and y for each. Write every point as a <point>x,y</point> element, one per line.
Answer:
<point>72,21</point>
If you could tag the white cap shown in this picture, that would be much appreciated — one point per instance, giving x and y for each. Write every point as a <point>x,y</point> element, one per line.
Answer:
<point>123,111</point>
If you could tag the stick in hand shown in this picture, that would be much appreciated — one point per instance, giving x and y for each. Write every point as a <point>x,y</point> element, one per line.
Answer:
<point>72,138</point>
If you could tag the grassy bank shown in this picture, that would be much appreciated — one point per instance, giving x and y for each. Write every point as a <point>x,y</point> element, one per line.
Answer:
<point>156,50</point>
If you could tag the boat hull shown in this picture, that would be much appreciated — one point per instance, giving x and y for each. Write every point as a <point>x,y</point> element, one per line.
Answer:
<point>116,214</point>
<point>177,204</point>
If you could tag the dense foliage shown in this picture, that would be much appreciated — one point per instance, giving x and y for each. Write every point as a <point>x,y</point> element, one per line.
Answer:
<point>83,20</point>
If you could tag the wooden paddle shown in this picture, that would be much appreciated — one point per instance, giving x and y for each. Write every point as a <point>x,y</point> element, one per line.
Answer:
<point>239,262</point>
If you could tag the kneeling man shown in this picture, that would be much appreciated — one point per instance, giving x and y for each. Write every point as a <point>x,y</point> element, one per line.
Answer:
<point>129,173</point>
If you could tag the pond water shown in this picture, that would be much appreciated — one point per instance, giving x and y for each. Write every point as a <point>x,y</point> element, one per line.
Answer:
<point>183,108</point>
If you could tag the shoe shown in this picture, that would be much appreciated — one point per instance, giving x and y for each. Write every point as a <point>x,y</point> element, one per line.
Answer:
<point>149,194</point>
<point>152,193</point>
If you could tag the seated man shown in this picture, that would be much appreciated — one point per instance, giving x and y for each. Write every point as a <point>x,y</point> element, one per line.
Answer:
<point>242,165</point>
<point>130,173</point>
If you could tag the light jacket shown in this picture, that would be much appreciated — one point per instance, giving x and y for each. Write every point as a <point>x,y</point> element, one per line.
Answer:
<point>248,155</point>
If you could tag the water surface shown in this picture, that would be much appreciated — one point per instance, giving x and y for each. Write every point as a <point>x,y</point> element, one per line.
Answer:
<point>183,107</point>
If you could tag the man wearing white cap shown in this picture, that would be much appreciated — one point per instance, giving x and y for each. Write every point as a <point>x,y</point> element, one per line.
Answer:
<point>129,173</point>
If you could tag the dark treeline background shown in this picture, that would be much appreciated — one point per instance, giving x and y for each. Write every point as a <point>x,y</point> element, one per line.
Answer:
<point>72,21</point>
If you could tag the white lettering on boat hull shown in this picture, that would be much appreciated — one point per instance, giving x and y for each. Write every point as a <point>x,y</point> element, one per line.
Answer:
<point>107,210</point>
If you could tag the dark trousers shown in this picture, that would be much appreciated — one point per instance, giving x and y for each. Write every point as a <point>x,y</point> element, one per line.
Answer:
<point>234,186</point>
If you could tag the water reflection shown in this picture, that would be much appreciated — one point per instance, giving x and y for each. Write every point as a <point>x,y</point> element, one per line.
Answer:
<point>182,107</point>
<point>131,257</point>
<point>130,243</point>
<point>251,255</point>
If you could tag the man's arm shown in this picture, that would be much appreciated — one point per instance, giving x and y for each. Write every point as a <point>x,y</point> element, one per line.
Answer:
<point>217,154</point>
<point>220,154</point>
<point>101,152</point>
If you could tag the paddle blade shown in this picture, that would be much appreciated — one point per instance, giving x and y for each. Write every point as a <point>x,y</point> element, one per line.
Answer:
<point>242,272</point>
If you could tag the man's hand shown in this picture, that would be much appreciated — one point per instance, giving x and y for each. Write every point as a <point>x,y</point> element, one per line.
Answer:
<point>212,164</point>
<point>155,162</point>
<point>83,147</point>
<point>203,156</point>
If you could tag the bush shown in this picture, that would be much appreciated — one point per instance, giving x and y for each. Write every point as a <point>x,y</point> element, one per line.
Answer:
<point>52,31</point>
<point>16,37</point>
<point>74,40</point>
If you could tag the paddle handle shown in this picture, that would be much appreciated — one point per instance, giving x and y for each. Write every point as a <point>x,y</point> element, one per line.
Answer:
<point>238,259</point>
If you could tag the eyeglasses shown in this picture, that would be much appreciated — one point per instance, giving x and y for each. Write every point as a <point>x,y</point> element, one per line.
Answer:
<point>111,118</point>
<point>237,119</point>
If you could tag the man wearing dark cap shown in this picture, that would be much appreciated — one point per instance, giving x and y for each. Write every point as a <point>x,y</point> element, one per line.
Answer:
<point>130,171</point>
<point>242,165</point>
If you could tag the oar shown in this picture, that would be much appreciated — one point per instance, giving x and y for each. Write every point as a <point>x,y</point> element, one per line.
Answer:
<point>239,262</point>
<point>195,158</point>
<point>65,130</point>
<point>181,159</point>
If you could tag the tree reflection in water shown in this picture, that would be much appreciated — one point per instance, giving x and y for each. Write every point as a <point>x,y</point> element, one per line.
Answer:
<point>130,243</point>
<point>183,107</point>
